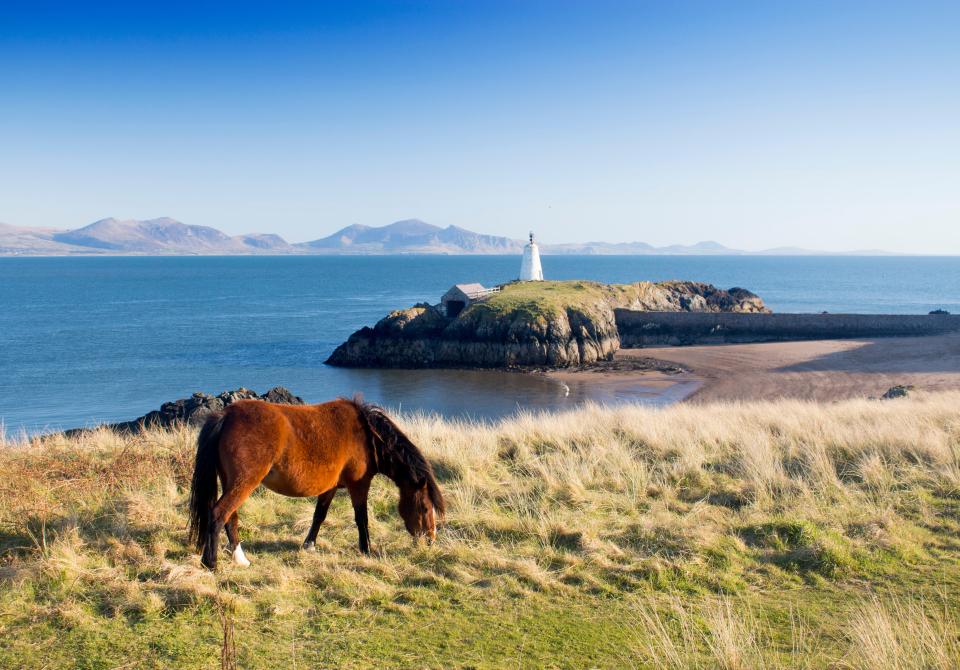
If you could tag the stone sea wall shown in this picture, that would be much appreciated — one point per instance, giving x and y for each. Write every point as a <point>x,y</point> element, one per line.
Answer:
<point>640,329</point>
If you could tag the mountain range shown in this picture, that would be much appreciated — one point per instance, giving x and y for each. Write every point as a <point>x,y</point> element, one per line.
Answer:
<point>166,236</point>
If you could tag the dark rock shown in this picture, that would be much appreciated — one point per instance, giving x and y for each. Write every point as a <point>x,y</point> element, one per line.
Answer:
<point>194,410</point>
<point>281,396</point>
<point>898,391</point>
<point>939,311</point>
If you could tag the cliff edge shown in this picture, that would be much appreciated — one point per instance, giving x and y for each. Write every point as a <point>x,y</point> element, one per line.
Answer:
<point>547,323</point>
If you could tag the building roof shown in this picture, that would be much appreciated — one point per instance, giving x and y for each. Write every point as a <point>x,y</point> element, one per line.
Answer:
<point>470,290</point>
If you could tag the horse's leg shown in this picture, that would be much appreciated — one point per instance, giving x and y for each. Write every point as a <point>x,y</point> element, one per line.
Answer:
<point>225,509</point>
<point>233,537</point>
<point>233,530</point>
<point>209,558</point>
<point>319,514</point>
<point>358,495</point>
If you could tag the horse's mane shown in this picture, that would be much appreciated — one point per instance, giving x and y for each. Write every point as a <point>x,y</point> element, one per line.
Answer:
<point>396,455</point>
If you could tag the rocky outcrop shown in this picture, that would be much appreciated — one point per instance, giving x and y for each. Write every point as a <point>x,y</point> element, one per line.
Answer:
<point>527,324</point>
<point>677,296</point>
<point>195,409</point>
<point>435,341</point>
<point>898,391</point>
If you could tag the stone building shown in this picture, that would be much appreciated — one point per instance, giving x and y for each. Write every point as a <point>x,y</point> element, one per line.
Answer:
<point>460,296</point>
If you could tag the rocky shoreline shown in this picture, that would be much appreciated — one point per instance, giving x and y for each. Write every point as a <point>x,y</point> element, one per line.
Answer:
<point>528,325</point>
<point>193,411</point>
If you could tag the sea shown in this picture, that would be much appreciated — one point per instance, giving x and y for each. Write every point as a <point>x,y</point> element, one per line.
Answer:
<point>94,339</point>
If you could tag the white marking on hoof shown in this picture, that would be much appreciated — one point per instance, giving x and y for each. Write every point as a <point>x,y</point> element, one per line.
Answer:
<point>309,546</point>
<point>238,556</point>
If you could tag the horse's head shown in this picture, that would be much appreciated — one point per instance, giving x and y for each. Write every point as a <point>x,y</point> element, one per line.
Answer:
<point>419,509</point>
<point>421,502</point>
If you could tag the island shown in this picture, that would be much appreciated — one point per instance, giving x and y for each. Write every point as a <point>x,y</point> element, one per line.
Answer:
<point>557,324</point>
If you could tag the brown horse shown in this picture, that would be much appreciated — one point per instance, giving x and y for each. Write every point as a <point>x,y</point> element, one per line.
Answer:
<point>300,451</point>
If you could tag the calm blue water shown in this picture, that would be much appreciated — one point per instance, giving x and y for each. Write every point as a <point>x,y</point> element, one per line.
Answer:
<point>91,339</point>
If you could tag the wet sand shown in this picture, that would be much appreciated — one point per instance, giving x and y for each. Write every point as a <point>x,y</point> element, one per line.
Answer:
<point>818,370</point>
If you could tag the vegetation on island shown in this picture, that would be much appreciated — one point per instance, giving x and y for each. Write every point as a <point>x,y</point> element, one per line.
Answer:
<point>782,534</point>
<point>541,303</point>
<point>544,299</point>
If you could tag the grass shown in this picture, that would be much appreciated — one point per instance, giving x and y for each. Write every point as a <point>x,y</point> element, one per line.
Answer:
<point>584,307</point>
<point>767,535</point>
<point>546,295</point>
<point>545,300</point>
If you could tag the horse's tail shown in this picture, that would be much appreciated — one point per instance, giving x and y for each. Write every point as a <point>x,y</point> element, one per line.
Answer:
<point>203,488</point>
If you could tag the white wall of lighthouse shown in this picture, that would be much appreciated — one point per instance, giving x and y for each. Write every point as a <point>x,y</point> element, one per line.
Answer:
<point>530,268</point>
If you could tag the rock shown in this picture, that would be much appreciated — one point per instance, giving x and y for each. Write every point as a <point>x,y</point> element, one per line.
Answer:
<point>194,410</point>
<point>528,324</point>
<point>940,311</point>
<point>898,391</point>
<point>281,396</point>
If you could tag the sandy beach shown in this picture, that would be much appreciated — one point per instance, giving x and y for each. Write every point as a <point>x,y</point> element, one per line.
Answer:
<point>818,370</point>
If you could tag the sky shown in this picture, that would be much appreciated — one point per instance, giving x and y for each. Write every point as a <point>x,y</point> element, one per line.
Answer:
<point>827,125</point>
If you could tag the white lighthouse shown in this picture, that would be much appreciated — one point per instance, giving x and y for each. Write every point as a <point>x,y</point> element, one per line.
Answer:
<point>530,269</point>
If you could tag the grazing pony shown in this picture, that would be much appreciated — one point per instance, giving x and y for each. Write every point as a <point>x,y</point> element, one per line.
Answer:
<point>308,450</point>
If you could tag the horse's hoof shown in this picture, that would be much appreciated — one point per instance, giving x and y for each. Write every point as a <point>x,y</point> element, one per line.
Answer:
<point>240,558</point>
<point>309,546</point>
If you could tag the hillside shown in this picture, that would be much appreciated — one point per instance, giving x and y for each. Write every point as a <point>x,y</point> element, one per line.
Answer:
<point>166,236</point>
<point>549,323</point>
<point>413,236</point>
<point>155,235</point>
<point>163,236</point>
<point>17,240</point>
<point>739,536</point>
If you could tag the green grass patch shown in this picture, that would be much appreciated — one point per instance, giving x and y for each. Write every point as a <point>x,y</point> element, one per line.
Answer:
<point>567,546</point>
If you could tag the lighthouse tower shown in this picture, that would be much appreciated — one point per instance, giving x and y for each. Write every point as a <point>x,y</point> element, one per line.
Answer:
<point>530,269</point>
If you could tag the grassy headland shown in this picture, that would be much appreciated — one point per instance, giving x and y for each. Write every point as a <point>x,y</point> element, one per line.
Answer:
<point>534,324</point>
<point>762,535</point>
<point>547,299</point>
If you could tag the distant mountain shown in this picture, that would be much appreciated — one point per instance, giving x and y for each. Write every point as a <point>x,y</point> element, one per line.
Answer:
<point>640,249</point>
<point>166,236</point>
<point>699,249</point>
<point>15,240</point>
<point>265,242</point>
<point>412,236</point>
<point>797,251</point>
<point>153,236</point>
<point>163,236</point>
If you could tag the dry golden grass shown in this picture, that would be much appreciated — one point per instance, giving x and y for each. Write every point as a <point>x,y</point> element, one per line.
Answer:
<point>782,534</point>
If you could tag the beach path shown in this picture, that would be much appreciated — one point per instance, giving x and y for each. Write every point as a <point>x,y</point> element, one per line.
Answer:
<point>817,370</point>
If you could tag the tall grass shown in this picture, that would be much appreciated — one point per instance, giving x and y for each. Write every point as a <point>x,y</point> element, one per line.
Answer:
<point>725,533</point>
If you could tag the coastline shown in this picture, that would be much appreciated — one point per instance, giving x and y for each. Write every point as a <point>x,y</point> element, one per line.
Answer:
<point>639,378</point>
<point>821,370</point>
<point>817,370</point>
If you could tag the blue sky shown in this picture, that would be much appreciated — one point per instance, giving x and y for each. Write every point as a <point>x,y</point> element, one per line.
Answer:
<point>819,124</point>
